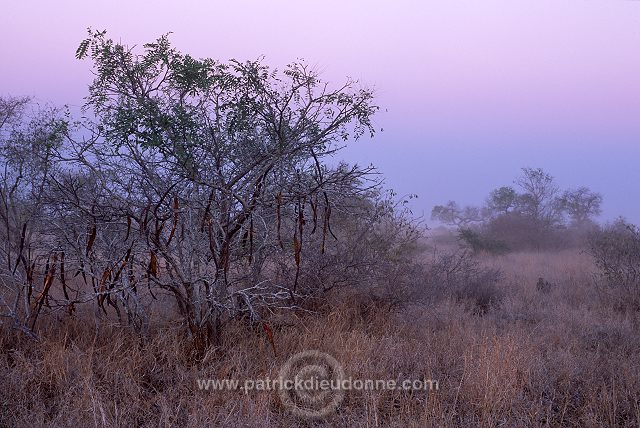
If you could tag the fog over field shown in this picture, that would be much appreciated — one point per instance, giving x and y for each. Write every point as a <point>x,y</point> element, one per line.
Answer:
<point>353,214</point>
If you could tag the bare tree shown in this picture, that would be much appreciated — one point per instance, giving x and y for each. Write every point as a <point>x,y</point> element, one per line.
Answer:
<point>29,140</point>
<point>539,197</point>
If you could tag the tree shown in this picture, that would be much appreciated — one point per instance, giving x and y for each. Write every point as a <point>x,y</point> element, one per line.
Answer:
<point>213,162</point>
<point>29,142</point>
<point>539,198</point>
<point>502,200</point>
<point>11,111</point>
<point>581,204</point>
<point>453,215</point>
<point>534,216</point>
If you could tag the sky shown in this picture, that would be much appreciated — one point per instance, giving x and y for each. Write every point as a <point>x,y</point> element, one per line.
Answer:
<point>471,91</point>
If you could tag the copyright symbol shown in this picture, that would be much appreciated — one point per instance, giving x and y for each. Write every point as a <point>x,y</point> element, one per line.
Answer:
<point>311,384</point>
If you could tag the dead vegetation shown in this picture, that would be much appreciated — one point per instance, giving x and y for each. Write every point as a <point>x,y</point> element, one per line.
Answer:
<point>559,358</point>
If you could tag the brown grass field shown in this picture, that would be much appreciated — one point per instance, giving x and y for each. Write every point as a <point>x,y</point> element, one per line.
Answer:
<point>563,357</point>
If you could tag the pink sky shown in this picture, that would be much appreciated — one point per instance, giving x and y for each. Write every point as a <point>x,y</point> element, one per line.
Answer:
<point>474,89</point>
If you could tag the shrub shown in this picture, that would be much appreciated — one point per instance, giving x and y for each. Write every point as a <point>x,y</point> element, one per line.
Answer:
<point>375,251</point>
<point>616,252</point>
<point>460,276</point>
<point>479,242</point>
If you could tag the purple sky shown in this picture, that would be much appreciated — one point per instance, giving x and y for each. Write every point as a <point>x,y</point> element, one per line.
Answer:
<point>474,89</point>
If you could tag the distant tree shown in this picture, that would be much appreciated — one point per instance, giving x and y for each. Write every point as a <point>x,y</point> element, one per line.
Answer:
<point>502,200</point>
<point>453,215</point>
<point>447,214</point>
<point>533,215</point>
<point>539,199</point>
<point>581,204</point>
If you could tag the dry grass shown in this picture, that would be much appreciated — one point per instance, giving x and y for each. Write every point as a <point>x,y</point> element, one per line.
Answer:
<point>556,358</point>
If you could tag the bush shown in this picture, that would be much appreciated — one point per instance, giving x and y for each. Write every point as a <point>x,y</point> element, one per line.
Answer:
<point>616,251</point>
<point>478,242</point>
<point>518,232</point>
<point>459,275</point>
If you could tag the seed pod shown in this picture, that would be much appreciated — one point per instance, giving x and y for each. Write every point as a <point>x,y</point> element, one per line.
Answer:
<point>92,239</point>
<point>128,227</point>
<point>153,265</point>
<point>62,277</point>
